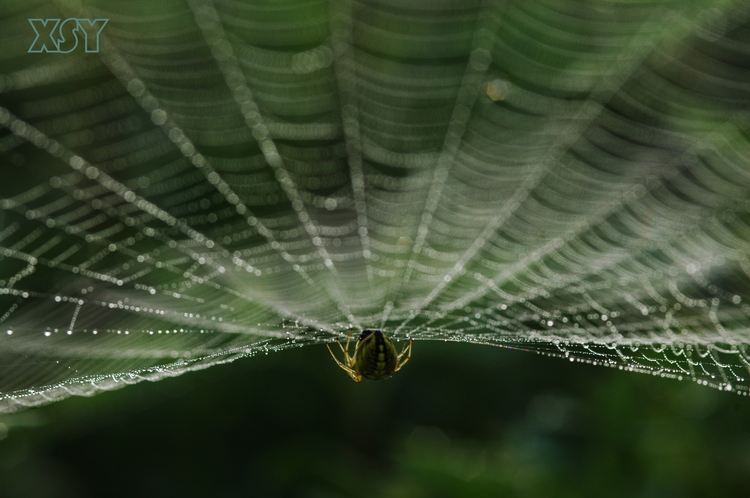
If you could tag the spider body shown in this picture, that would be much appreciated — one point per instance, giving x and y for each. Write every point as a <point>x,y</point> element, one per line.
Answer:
<point>375,357</point>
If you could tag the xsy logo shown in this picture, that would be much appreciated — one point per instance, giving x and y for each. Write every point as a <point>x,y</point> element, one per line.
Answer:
<point>58,37</point>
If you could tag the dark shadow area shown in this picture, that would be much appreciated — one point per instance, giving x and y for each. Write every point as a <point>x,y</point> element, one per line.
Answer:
<point>459,420</point>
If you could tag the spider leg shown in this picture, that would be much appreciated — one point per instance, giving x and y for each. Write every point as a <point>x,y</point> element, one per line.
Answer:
<point>343,366</point>
<point>356,377</point>
<point>346,351</point>
<point>333,355</point>
<point>405,351</point>
<point>407,345</point>
<point>349,360</point>
<point>348,339</point>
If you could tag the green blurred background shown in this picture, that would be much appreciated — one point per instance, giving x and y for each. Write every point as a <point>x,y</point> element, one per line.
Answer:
<point>459,420</point>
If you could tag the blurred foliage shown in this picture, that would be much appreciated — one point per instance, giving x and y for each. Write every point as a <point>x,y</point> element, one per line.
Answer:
<point>459,420</point>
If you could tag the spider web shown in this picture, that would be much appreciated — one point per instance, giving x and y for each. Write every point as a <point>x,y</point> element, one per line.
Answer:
<point>223,178</point>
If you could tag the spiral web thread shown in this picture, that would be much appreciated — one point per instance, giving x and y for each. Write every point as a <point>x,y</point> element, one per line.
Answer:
<point>223,178</point>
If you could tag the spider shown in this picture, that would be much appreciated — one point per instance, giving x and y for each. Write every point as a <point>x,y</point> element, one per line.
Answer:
<point>374,357</point>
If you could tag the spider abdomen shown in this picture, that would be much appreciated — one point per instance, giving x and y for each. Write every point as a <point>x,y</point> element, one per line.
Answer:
<point>377,357</point>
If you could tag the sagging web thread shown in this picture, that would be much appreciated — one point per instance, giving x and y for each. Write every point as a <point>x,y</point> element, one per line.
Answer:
<point>226,178</point>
